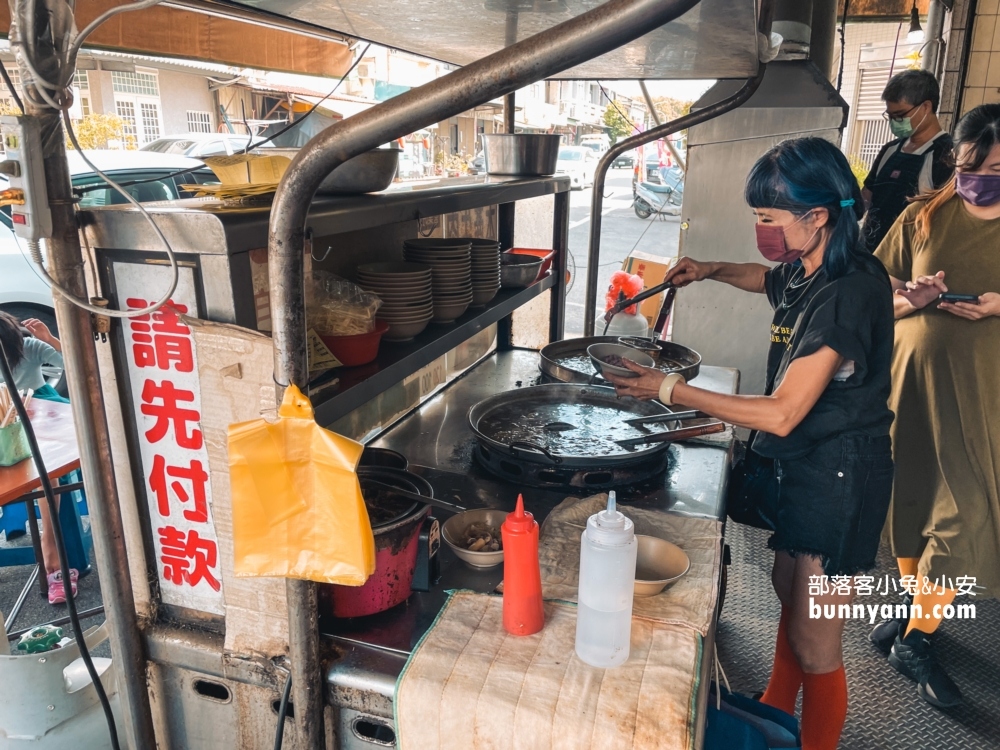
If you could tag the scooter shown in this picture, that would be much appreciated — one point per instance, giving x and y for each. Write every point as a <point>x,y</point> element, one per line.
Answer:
<point>664,199</point>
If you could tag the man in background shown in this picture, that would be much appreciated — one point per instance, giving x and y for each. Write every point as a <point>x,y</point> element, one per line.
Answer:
<point>918,160</point>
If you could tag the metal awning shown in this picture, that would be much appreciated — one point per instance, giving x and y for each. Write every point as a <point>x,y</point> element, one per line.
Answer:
<point>716,39</point>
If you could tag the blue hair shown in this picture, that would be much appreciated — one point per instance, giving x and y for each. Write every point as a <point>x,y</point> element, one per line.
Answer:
<point>807,173</point>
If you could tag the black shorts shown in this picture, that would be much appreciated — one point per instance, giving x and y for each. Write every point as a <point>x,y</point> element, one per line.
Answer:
<point>832,502</point>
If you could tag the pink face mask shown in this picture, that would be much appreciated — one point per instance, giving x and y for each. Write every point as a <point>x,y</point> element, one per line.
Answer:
<point>772,244</point>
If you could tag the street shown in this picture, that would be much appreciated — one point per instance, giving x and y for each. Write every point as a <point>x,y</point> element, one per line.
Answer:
<point>621,233</point>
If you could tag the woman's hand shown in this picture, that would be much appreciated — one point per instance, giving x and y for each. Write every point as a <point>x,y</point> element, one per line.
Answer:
<point>39,330</point>
<point>923,290</point>
<point>989,305</point>
<point>686,271</point>
<point>645,387</point>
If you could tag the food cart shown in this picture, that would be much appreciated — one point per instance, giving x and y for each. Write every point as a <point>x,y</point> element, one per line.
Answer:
<point>171,384</point>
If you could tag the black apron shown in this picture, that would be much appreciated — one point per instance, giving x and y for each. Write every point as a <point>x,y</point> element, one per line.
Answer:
<point>896,182</point>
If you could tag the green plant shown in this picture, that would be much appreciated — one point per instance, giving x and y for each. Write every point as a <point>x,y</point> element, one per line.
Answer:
<point>96,131</point>
<point>859,168</point>
<point>621,126</point>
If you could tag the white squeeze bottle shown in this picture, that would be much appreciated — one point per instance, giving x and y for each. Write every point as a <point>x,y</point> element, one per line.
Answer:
<point>607,577</point>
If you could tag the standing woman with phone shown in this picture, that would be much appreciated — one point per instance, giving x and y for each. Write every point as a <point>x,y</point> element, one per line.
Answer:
<point>944,519</point>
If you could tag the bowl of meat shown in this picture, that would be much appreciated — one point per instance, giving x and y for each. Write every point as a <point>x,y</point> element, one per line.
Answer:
<point>609,359</point>
<point>475,536</point>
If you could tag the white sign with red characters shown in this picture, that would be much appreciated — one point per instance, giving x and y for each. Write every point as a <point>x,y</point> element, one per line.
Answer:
<point>163,371</point>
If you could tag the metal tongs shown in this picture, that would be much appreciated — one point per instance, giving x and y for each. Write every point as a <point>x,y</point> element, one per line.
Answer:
<point>623,302</point>
<point>670,416</point>
<point>681,433</point>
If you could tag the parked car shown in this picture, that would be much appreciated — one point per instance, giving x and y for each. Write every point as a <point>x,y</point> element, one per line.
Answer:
<point>626,160</point>
<point>200,145</point>
<point>23,293</point>
<point>580,163</point>
<point>478,164</point>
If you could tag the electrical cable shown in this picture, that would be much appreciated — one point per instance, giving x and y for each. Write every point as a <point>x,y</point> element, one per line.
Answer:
<point>40,85</point>
<point>279,733</point>
<point>56,532</point>
<point>313,108</point>
<point>614,104</point>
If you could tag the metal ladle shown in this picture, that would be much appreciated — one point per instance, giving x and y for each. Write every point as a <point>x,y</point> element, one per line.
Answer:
<point>443,504</point>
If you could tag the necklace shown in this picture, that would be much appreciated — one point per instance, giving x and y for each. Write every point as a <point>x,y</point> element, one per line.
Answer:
<point>798,286</point>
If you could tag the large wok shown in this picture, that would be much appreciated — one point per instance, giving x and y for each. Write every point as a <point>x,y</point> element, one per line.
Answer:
<point>571,426</point>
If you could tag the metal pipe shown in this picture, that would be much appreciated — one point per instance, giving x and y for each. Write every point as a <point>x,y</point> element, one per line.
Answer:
<point>669,128</point>
<point>656,118</point>
<point>84,380</point>
<point>935,42</point>
<point>570,43</point>
<point>83,377</point>
<point>233,12</point>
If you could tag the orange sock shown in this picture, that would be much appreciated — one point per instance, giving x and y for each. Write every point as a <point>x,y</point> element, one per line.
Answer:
<point>824,709</point>
<point>907,565</point>
<point>930,615</point>
<point>786,675</point>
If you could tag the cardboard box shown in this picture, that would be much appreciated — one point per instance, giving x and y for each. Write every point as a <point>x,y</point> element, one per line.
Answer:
<point>652,269</point>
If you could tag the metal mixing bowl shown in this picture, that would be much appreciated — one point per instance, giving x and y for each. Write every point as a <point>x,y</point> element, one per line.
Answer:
<point>518,271</point>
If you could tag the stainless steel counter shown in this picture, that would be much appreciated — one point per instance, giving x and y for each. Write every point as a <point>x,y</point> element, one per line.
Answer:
<point>438,442</point>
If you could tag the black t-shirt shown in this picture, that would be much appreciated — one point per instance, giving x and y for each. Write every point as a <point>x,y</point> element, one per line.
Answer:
<point>853,316</point>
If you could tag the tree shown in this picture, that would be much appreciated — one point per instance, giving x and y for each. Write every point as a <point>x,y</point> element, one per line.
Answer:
<point>621,126</point>
<point>670,109</point>
<point>97,131</point>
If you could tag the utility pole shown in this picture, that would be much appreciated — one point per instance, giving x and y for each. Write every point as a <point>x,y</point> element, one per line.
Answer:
<point>65,262</point>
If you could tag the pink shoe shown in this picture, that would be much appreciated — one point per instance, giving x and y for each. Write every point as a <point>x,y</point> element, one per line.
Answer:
<point>57,591</point>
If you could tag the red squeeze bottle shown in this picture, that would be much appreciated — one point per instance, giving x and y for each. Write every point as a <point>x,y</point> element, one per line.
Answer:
<point>522,581</point>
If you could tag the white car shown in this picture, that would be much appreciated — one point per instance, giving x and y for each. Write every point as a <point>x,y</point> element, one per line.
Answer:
<point>23,293</point>
<point>580,163</point>
<point>200,145</point>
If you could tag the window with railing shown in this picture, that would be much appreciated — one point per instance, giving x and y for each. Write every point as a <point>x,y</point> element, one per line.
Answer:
<point>199,122</point>
<point>137,102</point>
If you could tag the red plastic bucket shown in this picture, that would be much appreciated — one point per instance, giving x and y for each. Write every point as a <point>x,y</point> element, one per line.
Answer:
<point>359,349</point>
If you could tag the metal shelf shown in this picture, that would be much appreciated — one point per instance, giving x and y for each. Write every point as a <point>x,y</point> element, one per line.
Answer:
<point>396,361</point>
<point>206,227</point>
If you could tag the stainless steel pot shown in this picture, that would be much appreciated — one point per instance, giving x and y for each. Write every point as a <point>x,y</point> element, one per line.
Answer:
<point>522,154</point>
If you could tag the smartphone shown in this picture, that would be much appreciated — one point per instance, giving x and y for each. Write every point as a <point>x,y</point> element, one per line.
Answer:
<point>949,297</point>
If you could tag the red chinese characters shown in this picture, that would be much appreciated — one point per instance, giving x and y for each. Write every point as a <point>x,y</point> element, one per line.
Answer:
<point>188,558</point>
<point>160,340</point>
<point>166,397</point>
<point>162,401</point>
<point>194,474</point>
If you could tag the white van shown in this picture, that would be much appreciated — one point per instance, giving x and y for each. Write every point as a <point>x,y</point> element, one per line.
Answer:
<point>598,142</point>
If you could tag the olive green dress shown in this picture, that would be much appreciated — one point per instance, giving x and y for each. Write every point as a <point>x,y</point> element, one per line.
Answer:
<point>946,395</point>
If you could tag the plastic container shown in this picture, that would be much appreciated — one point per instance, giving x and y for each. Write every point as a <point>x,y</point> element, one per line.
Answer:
<point>359,349</point>
<point>522,579</point>
<point>623,324</point>
<point>14,446</point>
<point>608,550</point>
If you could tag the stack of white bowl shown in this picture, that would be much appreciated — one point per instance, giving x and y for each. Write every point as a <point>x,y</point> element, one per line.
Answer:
<point>451,267</point>
<point>485,271</point>
<point>405,291</point>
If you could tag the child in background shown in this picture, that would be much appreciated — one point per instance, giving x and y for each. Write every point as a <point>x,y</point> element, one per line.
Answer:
<point>26,355</point>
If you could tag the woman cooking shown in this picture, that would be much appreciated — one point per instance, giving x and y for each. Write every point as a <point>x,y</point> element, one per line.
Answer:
<point>824,416</point>
<point>945,514</point>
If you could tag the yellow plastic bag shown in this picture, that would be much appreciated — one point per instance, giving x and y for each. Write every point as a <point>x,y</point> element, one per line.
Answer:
<point>298,511</point>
